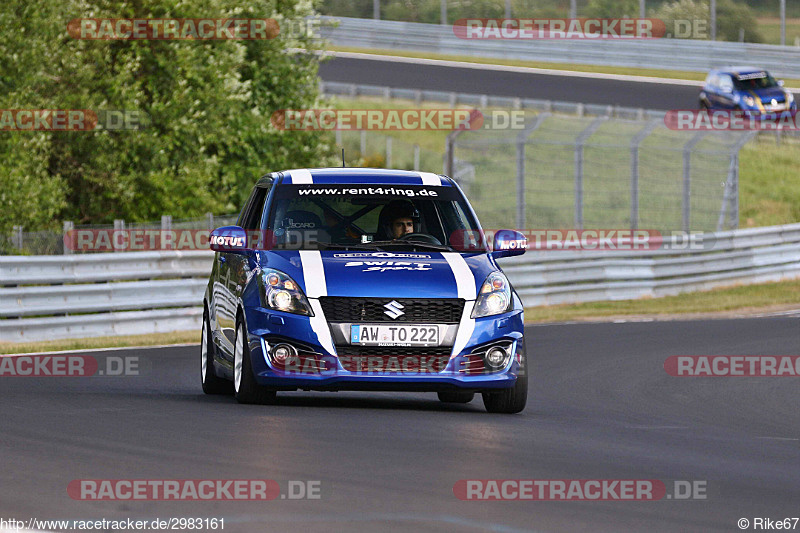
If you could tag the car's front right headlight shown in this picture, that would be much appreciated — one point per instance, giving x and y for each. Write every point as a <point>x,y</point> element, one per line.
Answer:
<point>280,292</point>
<point>494,297</point>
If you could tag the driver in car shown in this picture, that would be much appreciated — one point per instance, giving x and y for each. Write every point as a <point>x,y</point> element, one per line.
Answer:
<point>400,218</point>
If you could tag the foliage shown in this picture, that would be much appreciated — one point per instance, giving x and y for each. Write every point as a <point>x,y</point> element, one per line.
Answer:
<point>731,16</point>
<point>208,103</point>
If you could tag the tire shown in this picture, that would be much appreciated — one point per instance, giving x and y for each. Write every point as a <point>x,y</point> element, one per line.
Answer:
<point>511,400</point>
<point>455,397</point>
<point>212,384</point>
<point>245,387</point>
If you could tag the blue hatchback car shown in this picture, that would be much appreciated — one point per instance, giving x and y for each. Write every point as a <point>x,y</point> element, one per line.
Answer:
<point>747,89</point>
<point>362,279</point>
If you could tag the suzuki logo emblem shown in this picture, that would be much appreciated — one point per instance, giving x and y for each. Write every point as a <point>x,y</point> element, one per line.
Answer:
<point>393,309</point>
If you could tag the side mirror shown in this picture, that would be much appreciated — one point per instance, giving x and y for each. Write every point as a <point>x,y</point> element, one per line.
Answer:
<point>780,83</point>
<point>508,243</point>
<point>228,239</point>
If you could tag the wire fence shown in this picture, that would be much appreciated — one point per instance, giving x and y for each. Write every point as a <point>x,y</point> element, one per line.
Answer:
<point>22,242</point>
<point>599,172</point>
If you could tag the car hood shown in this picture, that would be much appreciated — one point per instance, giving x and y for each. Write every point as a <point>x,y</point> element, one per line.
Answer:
<point>383,274</point>
<point>767,93</point>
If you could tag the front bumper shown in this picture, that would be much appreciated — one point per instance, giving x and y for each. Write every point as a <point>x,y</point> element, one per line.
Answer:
<point>321,370</point>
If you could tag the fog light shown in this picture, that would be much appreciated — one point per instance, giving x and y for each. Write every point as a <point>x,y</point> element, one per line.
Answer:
<point>282,352</point>
<point>496,356</point>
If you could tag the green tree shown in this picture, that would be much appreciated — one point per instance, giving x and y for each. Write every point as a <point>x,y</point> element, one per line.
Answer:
<point>209,105</point>
<point>731,16</point>
<point>611,9</point>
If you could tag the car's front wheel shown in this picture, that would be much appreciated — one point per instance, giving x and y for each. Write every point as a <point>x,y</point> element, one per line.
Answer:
<point>246,389</point>
<point>511,400</point>
<point>212,384</point>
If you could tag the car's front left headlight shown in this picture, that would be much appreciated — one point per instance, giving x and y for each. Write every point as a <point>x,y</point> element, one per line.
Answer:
<point>280,292</point>
<point>789,97</point>
<point>494,297</point>
<point>749,100</point>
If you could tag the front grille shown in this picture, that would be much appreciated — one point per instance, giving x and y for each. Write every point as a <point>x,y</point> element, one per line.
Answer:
<point>425,364</point>
<point>417,311</point>
<point>392,350</point>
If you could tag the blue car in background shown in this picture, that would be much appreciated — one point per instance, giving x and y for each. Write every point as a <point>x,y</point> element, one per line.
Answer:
<point>362,279</point>
<point>747,89</point>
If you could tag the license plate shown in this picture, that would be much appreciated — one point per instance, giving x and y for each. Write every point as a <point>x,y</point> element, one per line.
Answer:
<point>405,335</point>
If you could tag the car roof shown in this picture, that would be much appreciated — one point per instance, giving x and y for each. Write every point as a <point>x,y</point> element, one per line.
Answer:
<point>368,176</point>
<point>739,70</point>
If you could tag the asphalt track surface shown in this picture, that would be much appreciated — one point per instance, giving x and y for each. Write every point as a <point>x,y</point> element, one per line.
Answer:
<point>659,96</point>
<point>600,406</point>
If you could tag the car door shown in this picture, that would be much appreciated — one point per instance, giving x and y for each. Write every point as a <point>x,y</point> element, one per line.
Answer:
<point>725,95</point>
<point>233,272</point>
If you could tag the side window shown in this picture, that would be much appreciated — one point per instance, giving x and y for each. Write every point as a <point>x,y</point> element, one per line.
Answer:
<point>255,208</point>
<point>725,83</point>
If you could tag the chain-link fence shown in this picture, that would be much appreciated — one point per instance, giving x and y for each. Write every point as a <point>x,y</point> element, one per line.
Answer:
<point>599,172</point>
<point>21,242</point>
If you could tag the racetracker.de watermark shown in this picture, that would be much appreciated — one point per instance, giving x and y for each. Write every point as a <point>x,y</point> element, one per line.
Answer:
<point>578,489</point>
<point>447,119</point>
<point>70,365</point>
<point>733,365</point>
<point>182,29</point>
<point>725,120</point>
<point>579,28</point>
<point>608,239</point>
<point>192,489</point>
<point>72,119</point>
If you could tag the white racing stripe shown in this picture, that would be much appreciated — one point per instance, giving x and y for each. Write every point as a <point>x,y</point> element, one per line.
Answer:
<point>300,176</point>
<point>429,178</point>
<point>314,277</point>
<point>465,284</point>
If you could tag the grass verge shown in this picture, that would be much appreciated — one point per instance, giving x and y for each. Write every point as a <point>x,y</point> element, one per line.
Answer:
<point>733,300</point>
<point>155,339</point>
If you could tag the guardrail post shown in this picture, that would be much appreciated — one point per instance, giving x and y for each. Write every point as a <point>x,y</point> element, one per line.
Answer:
<point>210,221</point>
<point>580,141</point>
<point>376,9</point>
<point>16,237</point>
<point>522,139</point>
<point>444,12</point>
<point>449,152</point>
<point>388,152</point>
<point>166,226</point>
<point>687,178</point>
<point>69,238</point>
<point>338,137</point>
<point>119,227</point>
<point>363,143</point>
<point>636,142</point>
<point>416,157</point>
<point>730,198</point>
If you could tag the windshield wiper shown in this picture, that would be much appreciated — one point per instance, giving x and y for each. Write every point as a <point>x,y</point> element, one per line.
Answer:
<point>418,244</point>
<point>379,245</point>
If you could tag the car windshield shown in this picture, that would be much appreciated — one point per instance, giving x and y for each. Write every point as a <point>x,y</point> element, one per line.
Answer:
<point>755,80</point>
<point>371,217</point>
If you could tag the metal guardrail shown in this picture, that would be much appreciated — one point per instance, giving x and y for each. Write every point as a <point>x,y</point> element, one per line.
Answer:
<point>664,54</point>
<point>124,293</point>
<point>740,256</point>
<point>483,101</point>
<point>95,295</point>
